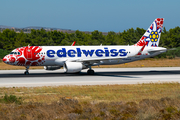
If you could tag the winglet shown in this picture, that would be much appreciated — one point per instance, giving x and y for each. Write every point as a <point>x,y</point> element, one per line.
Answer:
<point>140,51</point>
<point>73,43</point>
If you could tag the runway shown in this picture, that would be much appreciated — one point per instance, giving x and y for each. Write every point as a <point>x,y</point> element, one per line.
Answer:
<point>16,78</point>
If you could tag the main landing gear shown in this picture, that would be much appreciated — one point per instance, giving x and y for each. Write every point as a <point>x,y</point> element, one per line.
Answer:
<point>27,71</point>
<point>90,71</point>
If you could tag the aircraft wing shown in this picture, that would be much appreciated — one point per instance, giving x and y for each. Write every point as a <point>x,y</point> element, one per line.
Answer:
<point>100,59</point>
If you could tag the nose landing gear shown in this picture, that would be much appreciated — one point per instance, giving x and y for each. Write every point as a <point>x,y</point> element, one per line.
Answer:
<point>27,70</point>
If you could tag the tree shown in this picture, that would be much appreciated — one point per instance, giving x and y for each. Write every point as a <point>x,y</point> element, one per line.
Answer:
<point>110,38</point>
<point>8,39</point>
<point>20,40</point>
<point>57,36</point>
<point>97,37</point>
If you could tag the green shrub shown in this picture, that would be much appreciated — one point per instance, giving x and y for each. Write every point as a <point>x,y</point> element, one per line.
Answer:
<point>3,53</point>
<point>11,99</point>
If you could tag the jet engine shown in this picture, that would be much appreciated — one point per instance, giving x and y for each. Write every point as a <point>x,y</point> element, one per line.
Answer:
<point>52,67</point>
<point>73,67</point>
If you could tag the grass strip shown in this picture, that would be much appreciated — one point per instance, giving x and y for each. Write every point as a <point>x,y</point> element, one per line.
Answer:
<point>140,101</point>
<point>107,93</point>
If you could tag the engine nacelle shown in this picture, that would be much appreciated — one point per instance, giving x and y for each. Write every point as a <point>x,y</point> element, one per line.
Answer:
<point>73,67</point>
<point>52,67</point>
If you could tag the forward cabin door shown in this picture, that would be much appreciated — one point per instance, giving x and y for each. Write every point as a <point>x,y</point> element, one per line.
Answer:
<point>29,53</point>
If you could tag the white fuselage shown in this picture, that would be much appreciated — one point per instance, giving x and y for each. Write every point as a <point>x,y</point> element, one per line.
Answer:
<point>57,55</point>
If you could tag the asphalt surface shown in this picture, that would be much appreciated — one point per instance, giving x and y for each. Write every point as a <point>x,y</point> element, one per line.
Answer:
<point>102,76</point>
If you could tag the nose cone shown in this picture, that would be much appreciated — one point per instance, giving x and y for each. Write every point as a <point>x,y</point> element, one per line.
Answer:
<point>4,60</point>
<point>8,59</point>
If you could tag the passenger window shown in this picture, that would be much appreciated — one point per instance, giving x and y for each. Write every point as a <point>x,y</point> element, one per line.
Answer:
<point>15,53</point>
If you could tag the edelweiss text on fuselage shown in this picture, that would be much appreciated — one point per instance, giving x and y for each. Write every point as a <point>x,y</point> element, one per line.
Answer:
<point>88,53</point>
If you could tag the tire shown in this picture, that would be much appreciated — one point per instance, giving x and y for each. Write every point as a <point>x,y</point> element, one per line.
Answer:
<point>26,73</point>
<point>90,72</point>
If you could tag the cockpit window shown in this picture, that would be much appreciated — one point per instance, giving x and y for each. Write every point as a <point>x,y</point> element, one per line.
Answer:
<point>11,53</point>
<point>15,53</point>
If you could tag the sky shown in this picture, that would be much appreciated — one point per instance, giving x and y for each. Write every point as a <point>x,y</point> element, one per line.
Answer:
<point>89,15</point>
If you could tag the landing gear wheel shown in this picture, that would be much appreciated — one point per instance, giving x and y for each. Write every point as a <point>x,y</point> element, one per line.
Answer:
<point>90,72</point>
<point>26,73</point>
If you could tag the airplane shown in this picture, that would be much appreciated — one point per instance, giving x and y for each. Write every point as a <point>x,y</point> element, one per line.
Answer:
<point>76,58</point>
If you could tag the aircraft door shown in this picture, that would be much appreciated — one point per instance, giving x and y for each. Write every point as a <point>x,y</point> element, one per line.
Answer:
<point>29,53</point>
